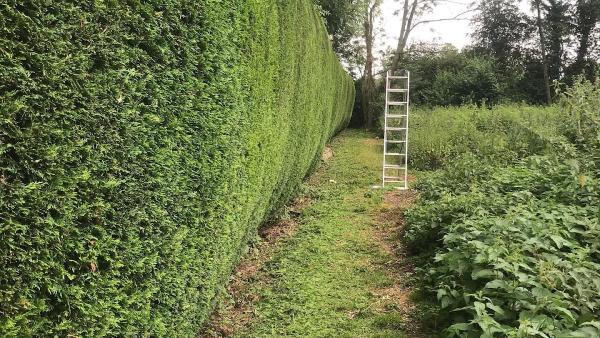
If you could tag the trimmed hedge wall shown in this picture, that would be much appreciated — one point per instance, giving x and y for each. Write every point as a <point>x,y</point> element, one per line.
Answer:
<point>141,145</point>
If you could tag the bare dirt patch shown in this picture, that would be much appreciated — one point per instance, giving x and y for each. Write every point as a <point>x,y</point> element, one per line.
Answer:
<point>236,309</point>
<point>388,230</point>
<point>327,154</point>
<point>372,141</point>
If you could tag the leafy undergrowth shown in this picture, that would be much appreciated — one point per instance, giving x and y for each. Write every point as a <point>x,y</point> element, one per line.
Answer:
<point>342,272</point>
<point>513,249</point>
<point>519,252</point>
<point>504,133</point>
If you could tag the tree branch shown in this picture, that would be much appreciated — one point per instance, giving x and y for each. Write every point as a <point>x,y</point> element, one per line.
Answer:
<point>455,18</point>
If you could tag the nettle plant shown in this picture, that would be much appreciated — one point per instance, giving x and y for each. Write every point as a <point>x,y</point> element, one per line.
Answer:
<point>515,249</point>
<point>518,259</point>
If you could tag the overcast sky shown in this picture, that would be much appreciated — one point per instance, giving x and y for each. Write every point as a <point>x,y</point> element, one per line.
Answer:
<point>454,32</point>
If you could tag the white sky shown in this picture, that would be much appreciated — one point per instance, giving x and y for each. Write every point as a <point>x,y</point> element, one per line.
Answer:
<point>454,32</point>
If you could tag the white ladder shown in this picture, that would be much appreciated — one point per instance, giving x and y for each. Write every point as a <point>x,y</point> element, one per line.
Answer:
<point>395,140</point>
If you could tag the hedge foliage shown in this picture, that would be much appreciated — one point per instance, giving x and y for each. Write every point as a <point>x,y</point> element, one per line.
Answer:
<point>141,145</point>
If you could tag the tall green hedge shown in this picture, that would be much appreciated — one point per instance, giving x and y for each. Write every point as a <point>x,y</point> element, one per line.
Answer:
<point>141,144</point>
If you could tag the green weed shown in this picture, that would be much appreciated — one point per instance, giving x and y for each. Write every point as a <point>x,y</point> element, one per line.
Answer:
<point>512,247</point>
<point>323,277</point>
<point>504,133</point>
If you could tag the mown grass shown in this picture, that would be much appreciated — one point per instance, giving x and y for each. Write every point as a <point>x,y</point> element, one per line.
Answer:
<point>322,281</point>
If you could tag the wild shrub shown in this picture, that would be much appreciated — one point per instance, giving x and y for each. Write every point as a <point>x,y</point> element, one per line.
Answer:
<point>516,253</point>
<point>442,75</point>
<point>505,133</point>
<point>141,145</point>
<point>513,247</point>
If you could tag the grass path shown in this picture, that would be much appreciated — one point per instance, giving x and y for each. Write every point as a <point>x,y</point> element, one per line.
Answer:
<point>332,267</point>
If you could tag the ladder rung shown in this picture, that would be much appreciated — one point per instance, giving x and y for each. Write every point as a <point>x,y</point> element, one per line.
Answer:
<point>400,114</point>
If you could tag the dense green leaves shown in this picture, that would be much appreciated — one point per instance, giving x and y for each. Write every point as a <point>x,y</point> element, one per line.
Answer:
<point>513,245</point>
<point>441,75</point>
<point>141,145</point>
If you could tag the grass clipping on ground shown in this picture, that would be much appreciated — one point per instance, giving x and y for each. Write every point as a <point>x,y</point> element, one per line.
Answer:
<point>333,265</point>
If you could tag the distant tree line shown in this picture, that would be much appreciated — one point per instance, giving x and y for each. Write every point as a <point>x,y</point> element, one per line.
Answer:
<point>535,52</point>
<point>515,55</point>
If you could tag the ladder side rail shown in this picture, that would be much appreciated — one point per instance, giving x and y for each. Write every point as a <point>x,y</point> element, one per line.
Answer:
<point>387,87</point>
<point>406,133</point>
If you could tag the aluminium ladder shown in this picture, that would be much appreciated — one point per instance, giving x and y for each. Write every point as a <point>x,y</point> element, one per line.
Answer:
<point>395,140</point>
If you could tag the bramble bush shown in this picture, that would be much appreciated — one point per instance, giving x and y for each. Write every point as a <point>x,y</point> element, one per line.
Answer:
<point>141,145</point>
<point>511,248</point>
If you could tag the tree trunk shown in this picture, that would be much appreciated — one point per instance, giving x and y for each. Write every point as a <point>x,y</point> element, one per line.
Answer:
<point>588,12</point>
<point>408,14</point>
<point>398,55</point>
<point>555,34</point>
<point>582,52</point>
<point>369,83</point>
<point>543,51</point>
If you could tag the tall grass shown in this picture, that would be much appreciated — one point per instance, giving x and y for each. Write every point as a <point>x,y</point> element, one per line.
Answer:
<point>438,136</point>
